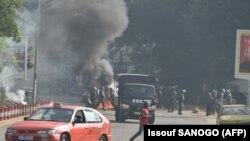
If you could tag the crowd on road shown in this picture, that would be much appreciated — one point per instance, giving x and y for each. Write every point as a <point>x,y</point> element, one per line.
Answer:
<point>215,99</point>
<point>171,97</point>
<point>98,97</point>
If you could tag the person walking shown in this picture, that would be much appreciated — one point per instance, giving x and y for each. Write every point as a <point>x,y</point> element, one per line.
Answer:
<point>143,120</point>
<point>171,100</point>
<point>93,96</point>
<point>214,102</point>
<point>102,97</point>
<point>180,101</point>
<point>209,104</point>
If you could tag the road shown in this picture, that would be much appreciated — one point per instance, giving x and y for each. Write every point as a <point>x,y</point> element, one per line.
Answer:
<point>123,131</point>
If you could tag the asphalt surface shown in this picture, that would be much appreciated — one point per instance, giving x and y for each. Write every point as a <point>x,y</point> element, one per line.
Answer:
<point>161,112</point>
<point>123,131</point>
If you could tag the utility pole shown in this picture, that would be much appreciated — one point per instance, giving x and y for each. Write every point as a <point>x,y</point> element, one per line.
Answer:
<point>150,63</point>
<point>150,50</point>
<point>37,42</point>
<point>26,56</point>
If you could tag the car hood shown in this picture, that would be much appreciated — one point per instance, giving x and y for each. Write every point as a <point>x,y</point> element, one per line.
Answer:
<point>235,119</point>
<point>37,125</point>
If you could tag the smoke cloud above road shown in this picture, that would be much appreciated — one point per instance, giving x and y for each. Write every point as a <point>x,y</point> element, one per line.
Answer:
<point>83,29</point>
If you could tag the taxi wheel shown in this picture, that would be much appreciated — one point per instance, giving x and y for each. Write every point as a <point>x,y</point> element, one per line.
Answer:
<point>102,138</point>
<point>64,137</point>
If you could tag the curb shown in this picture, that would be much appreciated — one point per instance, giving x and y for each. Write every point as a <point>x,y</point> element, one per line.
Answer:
<point>11,121</point>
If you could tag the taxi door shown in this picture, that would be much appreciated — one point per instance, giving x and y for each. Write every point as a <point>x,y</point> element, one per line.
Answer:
<point>81,130</point>
<point>94,122</point>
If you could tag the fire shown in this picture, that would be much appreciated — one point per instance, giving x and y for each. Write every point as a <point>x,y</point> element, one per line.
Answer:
<point>107,105</point>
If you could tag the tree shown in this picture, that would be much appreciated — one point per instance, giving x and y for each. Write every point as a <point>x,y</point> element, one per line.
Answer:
<point>198,35</point>
<point>211,32</point>
<point>6,57</point>
<point>8,25</point>
<point>155,22</point>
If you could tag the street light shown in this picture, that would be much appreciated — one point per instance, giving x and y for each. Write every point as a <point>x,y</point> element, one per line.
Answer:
<point>37,42</point>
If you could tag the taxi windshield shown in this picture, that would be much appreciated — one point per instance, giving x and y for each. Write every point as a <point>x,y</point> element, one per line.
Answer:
<point>52,114</point>
<point>235,111</point>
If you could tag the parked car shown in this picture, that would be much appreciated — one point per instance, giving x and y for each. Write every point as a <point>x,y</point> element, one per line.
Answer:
<point>61,123</point>
<point>233,114</point>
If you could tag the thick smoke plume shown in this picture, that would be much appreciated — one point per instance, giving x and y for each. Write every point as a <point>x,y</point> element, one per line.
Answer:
<point>83,29</point>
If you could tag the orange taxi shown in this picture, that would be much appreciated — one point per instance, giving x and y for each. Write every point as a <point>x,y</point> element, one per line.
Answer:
<point>61,123</point>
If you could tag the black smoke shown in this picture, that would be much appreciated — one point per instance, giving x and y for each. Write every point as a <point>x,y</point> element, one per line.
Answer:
<point>81,30</point>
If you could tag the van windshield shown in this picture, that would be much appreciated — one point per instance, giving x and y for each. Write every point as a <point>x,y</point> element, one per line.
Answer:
<point>138,91</point>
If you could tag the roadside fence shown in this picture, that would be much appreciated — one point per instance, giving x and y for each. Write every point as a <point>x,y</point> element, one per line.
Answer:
<point>18,110</point>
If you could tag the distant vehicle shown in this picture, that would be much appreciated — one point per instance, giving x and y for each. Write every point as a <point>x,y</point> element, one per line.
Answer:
<point>61,123</point>
<point>233,114</point>
<point>133,90</point>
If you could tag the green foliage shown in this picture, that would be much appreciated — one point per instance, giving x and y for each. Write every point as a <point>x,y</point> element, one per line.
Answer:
<point>156,22</point>
<point>1,46</point>
<point>6,57</point>
<point>211,27</point>
<point>2,96</point>
<point>194,38</point>
<point>8,25</point>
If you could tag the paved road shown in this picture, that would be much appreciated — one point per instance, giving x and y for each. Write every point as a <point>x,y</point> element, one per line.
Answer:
<point>122,131</point>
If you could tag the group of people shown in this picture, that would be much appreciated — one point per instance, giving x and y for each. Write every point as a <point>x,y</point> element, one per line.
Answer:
<point>171,97</point>
<point>95,97</point>
<point>215,99</point>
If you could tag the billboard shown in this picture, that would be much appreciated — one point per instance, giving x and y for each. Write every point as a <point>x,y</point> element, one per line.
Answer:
<point>19,50</point>
<point>242,56</point>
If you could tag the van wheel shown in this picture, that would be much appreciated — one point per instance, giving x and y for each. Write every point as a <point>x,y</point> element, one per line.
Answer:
<point>152,119</point>
<point>121,117</point>
<point>64,137</point>
<point>116,116</point>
